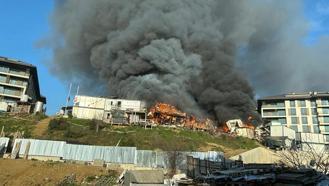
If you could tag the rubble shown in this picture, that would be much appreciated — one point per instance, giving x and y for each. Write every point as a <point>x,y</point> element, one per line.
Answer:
<point>238,128</point>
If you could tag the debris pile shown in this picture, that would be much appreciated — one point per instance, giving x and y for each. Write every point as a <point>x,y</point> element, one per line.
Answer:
<point>166,114</point>
<point>238,128</point>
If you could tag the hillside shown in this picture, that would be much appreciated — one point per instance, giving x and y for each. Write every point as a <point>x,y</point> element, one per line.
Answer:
<point>158,138</point>
<point>24,172</point>
<point>19,123</point>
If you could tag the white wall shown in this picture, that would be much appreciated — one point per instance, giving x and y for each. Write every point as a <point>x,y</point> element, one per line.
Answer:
<point>278,130</point>
<point>87,113</point>
<point>108,104</point>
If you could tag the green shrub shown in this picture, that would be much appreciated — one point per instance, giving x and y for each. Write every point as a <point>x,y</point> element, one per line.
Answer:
<point>93,123</point>
<point>74,132</point>
<point>58,124</point>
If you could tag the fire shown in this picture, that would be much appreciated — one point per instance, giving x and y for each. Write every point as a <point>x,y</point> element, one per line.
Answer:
<point>237,127</point>
<point>166,114</point>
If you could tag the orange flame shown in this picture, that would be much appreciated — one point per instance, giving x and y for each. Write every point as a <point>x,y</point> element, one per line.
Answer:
<point>163,113</point>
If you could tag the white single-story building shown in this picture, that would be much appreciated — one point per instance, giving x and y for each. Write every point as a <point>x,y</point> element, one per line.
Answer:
<point>116,111</point>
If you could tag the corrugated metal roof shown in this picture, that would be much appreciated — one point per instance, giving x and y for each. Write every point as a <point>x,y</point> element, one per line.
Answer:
<point>41,147</point>
<point>296,96</point>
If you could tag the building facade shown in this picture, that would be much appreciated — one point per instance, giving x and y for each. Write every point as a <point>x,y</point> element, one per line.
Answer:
<point>19,86</point>
<point>304,113</point>
<point>116,111</point>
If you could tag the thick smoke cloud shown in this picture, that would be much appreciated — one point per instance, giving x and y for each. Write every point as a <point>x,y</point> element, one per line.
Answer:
<point>189,53</point>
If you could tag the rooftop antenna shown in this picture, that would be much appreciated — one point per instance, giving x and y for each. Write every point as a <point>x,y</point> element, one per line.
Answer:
<point>77,91</point>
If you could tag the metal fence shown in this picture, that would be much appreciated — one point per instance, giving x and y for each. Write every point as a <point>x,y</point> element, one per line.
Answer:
<point>3,144</point>
<point>108,154</point>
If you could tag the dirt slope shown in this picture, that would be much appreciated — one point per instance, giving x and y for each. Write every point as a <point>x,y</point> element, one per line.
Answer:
<point>41,127</point>
<point>26,172</point>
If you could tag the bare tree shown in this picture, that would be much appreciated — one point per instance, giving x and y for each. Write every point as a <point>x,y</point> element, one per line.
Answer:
<point>309,157</point>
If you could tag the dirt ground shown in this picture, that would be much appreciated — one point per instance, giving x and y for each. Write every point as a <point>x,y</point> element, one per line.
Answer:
<point>41,127</point>
<point>28,172</point>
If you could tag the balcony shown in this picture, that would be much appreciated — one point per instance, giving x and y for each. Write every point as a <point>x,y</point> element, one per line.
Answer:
<point>14,73</point>
<point>12,85</point>
<point>9,95</point>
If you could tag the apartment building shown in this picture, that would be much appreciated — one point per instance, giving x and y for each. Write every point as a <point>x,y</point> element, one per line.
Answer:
<point>19,87</point>
<point>110,110</point>
<point>302,112</point>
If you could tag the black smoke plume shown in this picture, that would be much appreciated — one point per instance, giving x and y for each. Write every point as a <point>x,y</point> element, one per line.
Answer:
<point>189,53</point>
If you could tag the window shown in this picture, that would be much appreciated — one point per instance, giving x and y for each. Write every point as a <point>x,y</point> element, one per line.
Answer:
<point>324,102</point>
<point>283,120</point>
<point>295,128</point>
<point>280,104</point>
<point>306,129</point>
<point>281,112</point>
<point>315,120</point>
<point>325,111</point>
<point>313,103</point>
<point>302,103</point>
<point>292,103</point>
<point>4,69</point>
<point>326,129</point>
<point>294,120</point>
<point>3,79</point>
<point>325,119</point>
<point>313,111</point>
<point>304,120</point>
<point>119,103</point>
<point>316,129</point>
<point>292,111</point>
<point>304,111</point>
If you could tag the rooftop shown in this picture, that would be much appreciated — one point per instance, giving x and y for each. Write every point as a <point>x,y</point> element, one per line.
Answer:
<point>33,70</point>
<point>16,62</point>
<point>290,96</point>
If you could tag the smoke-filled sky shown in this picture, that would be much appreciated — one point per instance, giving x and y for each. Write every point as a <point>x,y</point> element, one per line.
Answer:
<point>206,57</point>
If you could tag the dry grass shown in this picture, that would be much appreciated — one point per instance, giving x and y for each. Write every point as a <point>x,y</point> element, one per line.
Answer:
<point>27,172</point>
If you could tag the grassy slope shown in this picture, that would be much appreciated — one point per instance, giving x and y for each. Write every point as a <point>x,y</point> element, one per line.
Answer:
<point>162,138</point>
<point>79,131</point>
<point>21,123</point>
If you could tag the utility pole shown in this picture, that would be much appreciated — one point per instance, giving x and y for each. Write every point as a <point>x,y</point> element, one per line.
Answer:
<point>67,100</point>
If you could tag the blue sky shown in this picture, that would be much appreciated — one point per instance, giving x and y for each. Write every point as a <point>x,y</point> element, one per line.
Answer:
<point>23,23</point>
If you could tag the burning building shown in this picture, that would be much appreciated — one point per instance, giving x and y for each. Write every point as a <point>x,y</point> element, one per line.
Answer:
<point>239,128</point>
<point>166,114</point>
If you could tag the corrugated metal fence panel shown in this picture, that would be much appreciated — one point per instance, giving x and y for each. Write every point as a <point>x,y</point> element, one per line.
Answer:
<point>162,159</point>
<point>41,147</point>
<point>3,144</point>
<point>123,155</point>
<point>146,158</point>
<point>78,152</point>
<point>4,141</point>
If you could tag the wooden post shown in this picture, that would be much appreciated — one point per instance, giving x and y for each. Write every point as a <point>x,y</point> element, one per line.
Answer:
<point>2,132</point>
